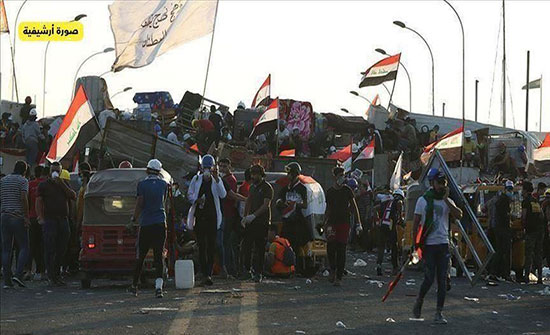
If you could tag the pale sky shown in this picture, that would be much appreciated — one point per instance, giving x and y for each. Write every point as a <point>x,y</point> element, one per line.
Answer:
<point>314,50</point>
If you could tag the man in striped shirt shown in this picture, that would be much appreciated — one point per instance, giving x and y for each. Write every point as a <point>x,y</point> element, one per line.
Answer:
<point>15,222</point>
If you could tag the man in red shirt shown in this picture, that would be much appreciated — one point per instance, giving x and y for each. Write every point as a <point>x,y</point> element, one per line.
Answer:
<point>35,231</point>
<point>205,133</point>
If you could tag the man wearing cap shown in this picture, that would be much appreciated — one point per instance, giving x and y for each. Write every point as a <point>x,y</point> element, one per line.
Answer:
<point>469,148</point>
<point>432,217</point>
<point>31,135</point>
<point>502,232</point>
<point>150,212</point>
<point>174,132</point>
<point>205,193</point>
<point>392,216</point>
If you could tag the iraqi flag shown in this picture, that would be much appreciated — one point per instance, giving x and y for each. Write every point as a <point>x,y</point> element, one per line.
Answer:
<point>449,145</point>
<point>365,159</point>
<point>541,155</point>
<point>268,121</point>
<point>344,156</point>
<point>288,153</point>
<point>78,127</point>
<point>262,93</point>
<point>384,70</point>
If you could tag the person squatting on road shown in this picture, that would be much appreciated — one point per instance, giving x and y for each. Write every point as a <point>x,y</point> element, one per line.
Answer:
<point>432,216</point>
<point>151,211</point>
<point>205,193</point>
<point>341,206</point>
<point>392,216</point>
<point>256,221</point>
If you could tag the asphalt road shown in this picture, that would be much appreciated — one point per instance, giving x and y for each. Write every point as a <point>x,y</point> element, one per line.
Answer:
<point>291,306</point>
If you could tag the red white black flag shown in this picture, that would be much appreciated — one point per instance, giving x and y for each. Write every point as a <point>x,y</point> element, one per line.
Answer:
<point>262,93</point>
<point>449,145</point>
<point>268,121</point>
<point>541,155</point>
<point>344,156</point>
<point>384,70</point>
<point>78,127</point>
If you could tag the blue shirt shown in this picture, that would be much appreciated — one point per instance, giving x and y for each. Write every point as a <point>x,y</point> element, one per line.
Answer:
<point>153,190</point>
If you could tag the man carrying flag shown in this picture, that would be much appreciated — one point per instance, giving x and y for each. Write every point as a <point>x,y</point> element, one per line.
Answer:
<point>432,216</point>
<point>263,92</point>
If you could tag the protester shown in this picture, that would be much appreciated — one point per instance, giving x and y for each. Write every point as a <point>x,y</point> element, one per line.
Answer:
<point>31,135</point>
<point>283,135</point>
<point>216,118</point>
<point>392,217</point>
<point>205,133</point>
<point>280,259</point>
<point>84,174</point>
<point>256,221</point>
<point>52,207</point>
<point>545,205</point>
<point>469,149</point>
<point>35,230</point>
<point>433,214</point>
<point>25,110</point>
<point>533,223</point>
<point>104,115</point>
<point>151,213</point>
<point>539,193</point>
<point>520,161</point>
<point>434,134</point>
<point>292,199</point>
<point>503,163</point>
<point>503,232</point>
<point>205,193</point>
<point>228,236</point>
<point>14,189</point>
<point>482,149</point>
<point>70,262</point>
<point>341,206</point>
<point>173,136</point>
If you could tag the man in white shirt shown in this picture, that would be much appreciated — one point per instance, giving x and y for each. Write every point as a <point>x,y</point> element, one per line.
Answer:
<point>432,217</point>
<point>173,135</point>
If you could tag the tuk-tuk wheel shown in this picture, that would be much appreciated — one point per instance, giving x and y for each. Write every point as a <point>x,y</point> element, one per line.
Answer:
<point>85,283</point>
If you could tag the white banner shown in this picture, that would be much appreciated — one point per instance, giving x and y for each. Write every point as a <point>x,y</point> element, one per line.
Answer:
<point>146,29</point>
<point>395,181</point>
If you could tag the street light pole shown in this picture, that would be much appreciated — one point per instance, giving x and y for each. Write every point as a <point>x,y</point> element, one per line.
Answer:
<point>402,25</point>
<point>360,96</point>
<point>119,92</point>
<point>383,52</point>
<point>77,18</point>
<point>81,64</point>
<point>14,86</point>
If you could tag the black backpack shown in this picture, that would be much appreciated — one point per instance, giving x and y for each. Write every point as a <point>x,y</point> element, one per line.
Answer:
<point>289,257</point>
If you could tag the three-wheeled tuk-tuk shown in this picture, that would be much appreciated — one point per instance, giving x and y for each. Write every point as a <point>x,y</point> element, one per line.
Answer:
<point>108,241</point>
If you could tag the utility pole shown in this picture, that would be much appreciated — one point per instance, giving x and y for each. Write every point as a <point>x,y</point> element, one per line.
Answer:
<point>443,110</point>
<point>527,95</point>
<point>503,65</point>
<point>477,82</point>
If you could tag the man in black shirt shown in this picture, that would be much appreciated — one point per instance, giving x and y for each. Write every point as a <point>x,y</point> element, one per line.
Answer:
<point>503,232</point>
<point>292,200</point>
<point>52,208</point>
<point>24,112</point>
<point>533,223</point>
<point>256,221</point>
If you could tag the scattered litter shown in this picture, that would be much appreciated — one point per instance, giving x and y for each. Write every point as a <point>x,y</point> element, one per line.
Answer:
<point>120,301</point>
<point>363,294</point>
<point>74,293</point>
<point>158,309</point>
<point>410,282</point>
<point>539,323</point>
<point>103,310</point>
<point>141,312</point>
<point>352,273</point>
<point>340,324</point>
<point>532,277</point>
<point>48,291</point>
<point>38,293</point>
<point>269,281</point>
<point>390,320</point>
<point>546,272</point>
<point>129,326</point>
<point>89,293</point>
<point>546,291</point>
<point>495,312</point>
<point>292,300</point>
<point>216,291</point>
<point>326,273</point>
<point>366,276</point>
<point>509,296</point>
<point>296,288</point>
<point>520,290</point>
<point>484,288</point>
<point>379,283</point>
<point>360,262</point>
<point>108,303</point>
<point>179,298</point>
<point>453,272</point>
<point>471,299</point>
<point>7,321</point>
<point>300,332</point>
<point>492,283</point>
<point>275,324</point>
<point>308,281</point>
<point>416,320</point>
<point>236,294</point>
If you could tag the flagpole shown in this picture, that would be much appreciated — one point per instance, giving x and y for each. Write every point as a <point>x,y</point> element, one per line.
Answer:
<point>210,52</point>
<point>278,117</point>
<point>540,106</point>
<point>13,70</point>
<point>393,88</point>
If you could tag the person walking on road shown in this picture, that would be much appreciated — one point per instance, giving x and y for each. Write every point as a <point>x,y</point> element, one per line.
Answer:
<point>151,211</point>
<point>15,222</point>
<point>341,206</point>
<point>205,193</point>
<point>52,208</point>
<point>432,216</point>
<point>35,231</point>
<point>256,221</point>
<point>502,232</point>
<point>533,223</point>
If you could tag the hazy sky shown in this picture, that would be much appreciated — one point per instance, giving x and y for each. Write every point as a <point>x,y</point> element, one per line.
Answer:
<point>314,50</point>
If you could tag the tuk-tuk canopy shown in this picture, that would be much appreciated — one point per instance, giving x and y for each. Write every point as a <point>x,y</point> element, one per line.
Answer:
<point>118,182</point>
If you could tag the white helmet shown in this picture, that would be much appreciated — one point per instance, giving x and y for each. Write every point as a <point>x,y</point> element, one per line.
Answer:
<point>32,112</point>
<point>399,192</point>
<point>241,105</point>
<point>155,165</point>
<point>173,124</point>
<point>468,134</point>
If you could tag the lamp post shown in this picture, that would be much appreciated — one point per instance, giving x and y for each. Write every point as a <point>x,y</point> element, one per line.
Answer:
<point>13,53</point>
<point>77,18</point>
<point>106,50</point>
<point>360,96</point>
<point>402,25</point>
<point>104,73</point>
<point>463,63</point>
<point>119,92</point>
<point>383,52</point>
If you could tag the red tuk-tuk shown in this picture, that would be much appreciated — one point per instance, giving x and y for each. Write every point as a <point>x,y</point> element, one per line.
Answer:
<point>108,245</point>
